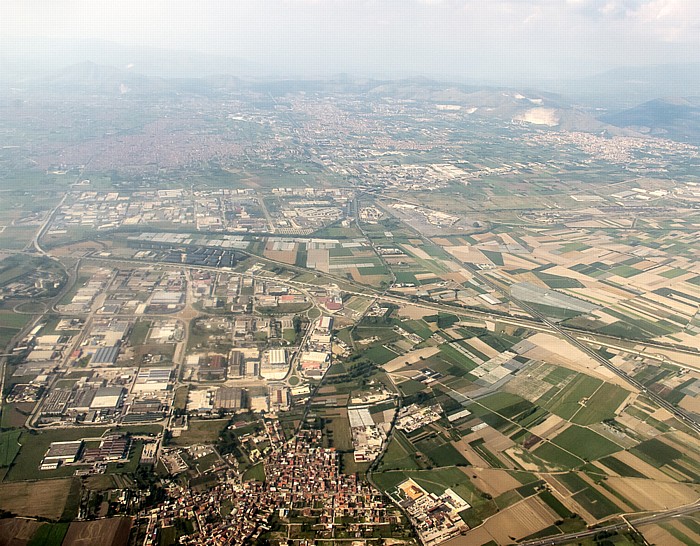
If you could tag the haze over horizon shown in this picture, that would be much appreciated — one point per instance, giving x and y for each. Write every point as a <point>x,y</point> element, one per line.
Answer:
<point>500,41</point>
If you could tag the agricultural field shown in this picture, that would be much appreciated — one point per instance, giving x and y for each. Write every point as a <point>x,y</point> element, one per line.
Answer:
<point>19,531</point>
<point>9,446</point>
<point>46,499</point>
<point>110,532</point>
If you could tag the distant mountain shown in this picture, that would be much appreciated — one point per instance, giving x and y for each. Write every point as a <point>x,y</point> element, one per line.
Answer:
<point>628,86</point>
<point>91,78</point>
<point>677,119</point>
<point>528,107</point>
<point>88,78</point>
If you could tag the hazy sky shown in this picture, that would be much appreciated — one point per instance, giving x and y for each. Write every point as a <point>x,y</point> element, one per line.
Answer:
<point>477,38</point>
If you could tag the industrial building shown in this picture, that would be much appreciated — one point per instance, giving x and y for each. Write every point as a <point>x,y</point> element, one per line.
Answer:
<point>61,453</point>
<point>112,448</point>
<point>152,380</point>
<point>230,398</point>
<point>108,398</point>
<point>105,356</point>
<point>213,369</point>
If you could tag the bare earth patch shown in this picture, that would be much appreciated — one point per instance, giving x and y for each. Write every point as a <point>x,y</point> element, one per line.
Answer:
<point>652,494</point>
<point>411,357</point>
<point>493,481</point>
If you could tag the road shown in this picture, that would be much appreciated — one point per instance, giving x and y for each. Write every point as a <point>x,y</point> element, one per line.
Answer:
<point>645,520</point>
<point>365,291</point>
<point>541,323</point>
<point>35,242</point>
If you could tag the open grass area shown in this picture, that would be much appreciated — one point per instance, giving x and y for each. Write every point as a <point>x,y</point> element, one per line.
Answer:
<point>203,431</point>
<point>14,321</point>
<point>15,415</point>
<point>6,335</point>
<point>256,472</point>
<point>180,399</point>
<point>139,332</point>
<point>337,429</point>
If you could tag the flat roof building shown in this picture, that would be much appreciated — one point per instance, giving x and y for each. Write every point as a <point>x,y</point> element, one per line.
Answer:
<point>229,398</point>
<point>105,356</point>
<point>63,452</point>
<point>108,398</point>
<point>278,357</point>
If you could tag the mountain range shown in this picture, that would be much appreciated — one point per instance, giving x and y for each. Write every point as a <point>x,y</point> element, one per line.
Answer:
<point>677,118</point>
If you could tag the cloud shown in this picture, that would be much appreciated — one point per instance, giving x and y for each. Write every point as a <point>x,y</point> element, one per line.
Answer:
<point>481,37</point>
<point>670,20</point>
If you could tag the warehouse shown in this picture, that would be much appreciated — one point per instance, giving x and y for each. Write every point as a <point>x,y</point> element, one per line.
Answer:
<point>229,398</point>
<point>61,453</point>
<point>152,380</point>
<point>108,398</point>
<point>278,357</point>
<point>105,356</point>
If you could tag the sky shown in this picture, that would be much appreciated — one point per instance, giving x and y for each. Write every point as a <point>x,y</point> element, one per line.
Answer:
<point>478,39</point>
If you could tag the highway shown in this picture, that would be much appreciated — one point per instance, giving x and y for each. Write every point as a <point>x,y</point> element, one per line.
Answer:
<point>589,533</point>
<point>540,322</point>
<point>44,226</point>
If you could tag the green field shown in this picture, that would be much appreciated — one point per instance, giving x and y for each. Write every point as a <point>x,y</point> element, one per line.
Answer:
<point>506,404</point>
<point>9,446</point>
<point>379,354</point>
<point>410,387</point>
<point>573,482</point>
<point>399,455</point>
<point>256,472</point>
<point>418,327</point>
<point>621,468</point>
<point>656,452</point>
<point>601,405</point>
<point>585,443</point>
<point>557,456</point>
<point>596,503</point>
<point>49,534</point>
<point>554,503</point>
<point>441,454</point>
<point>566,401</point>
